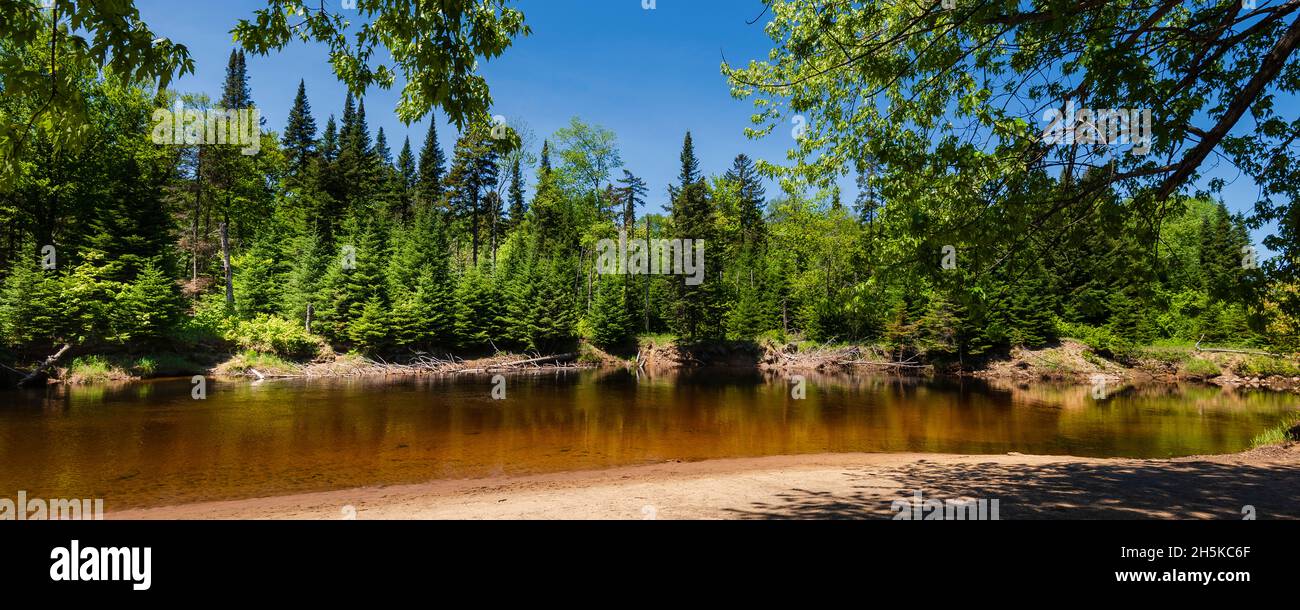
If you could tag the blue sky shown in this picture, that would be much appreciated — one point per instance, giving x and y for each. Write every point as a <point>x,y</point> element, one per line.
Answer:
<point>649,75</point>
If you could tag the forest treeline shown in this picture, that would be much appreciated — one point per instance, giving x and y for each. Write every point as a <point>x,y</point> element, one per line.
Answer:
<point>334,235</point>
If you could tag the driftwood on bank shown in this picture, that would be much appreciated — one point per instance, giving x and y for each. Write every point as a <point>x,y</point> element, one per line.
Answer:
<point>1220,350</point>
<point>49,362</point>
<point>421,364</point>
<point>516,365</point>
<point>824,356</point>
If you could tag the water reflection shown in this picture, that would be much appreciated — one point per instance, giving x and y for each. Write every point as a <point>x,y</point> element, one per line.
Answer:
<point>151,443</point>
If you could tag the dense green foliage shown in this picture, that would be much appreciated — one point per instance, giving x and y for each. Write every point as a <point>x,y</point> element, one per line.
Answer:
<point>333,242</point>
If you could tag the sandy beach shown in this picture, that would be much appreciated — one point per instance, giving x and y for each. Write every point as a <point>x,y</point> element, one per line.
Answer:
<point>827,486</point>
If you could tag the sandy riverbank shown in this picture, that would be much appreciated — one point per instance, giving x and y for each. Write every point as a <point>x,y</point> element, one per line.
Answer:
<point>829,486</point>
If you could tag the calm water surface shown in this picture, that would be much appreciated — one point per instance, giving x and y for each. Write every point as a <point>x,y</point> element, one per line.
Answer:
<point>150,443</point>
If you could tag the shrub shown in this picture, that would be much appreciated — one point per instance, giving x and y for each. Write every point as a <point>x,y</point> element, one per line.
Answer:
<point>1267,366</point>
<point>1200,368</point>
<point>95,369</point>
<point>269,364</point>
<point>1102,340</point>
<point>275,335</point>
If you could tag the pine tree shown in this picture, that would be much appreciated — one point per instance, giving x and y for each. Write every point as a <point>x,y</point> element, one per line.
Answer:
<point>420,282</point>
<point>406,180</point>
<point>477,309</point>
<point>382,153</point>
<point>474,170</point>
<point>387,188</point>
<point>690,173</point>
<point>369,332</point>
<point>1221,255</point>
<point>305,284</point>
<point>350,284</point>
<point>148,308</point>
<point>518,207</point>
<point>745,176</point>
<point>432,163</point>
<point>612,324</point>
<point>32,309</point>
<point>697,309</point>
<point>235,176</point>
<point>555,317</point>
<point>329,147</point>
<point>235,93</point>
<point>631,193</point>
<point>258,284</point>
<point>299,135</point>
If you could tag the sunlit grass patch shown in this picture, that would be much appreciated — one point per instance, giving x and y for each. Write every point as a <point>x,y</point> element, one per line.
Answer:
<point>1285,432</point>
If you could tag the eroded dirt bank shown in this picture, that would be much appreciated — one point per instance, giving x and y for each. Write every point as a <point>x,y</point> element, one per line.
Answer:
<point>827,486</point>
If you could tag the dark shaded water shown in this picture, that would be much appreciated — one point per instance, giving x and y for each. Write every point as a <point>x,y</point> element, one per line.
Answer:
<point>151,443</point>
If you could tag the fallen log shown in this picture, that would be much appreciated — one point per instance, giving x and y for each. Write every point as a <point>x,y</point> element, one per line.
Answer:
<point>543,360</point>
<point>49,362</point>
<point>1220,350</point>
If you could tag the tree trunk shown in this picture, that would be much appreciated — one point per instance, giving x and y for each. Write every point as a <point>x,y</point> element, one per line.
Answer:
<point>647,273</point>
<point>225,261</point>
<point>44,365</point>
<point>198,207</point>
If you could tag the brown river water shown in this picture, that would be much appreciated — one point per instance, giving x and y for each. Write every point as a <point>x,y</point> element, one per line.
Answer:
<point>151,443</point>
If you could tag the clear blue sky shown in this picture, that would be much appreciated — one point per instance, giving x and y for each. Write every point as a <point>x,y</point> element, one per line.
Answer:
<point>649,75</point>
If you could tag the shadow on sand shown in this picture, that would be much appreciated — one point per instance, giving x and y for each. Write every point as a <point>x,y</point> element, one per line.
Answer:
<point>1123,490</point>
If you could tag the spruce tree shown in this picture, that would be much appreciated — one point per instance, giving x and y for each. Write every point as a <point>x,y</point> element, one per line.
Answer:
<point>478,309</point>
<point>611,322</point>
<point>432,167</point>
<point>697,309</point>
<point>299,135</point>
<point>474,170</point>
<point>631,192</point>
<point>329,147</point>
<point>518,207</point>
<point>749,186</point>
<point>406,180</point>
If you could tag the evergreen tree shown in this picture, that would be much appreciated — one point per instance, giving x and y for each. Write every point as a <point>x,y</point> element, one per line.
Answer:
<point>299,135</point>
<point>432,163</point>
<point>555,317</point>
<point>631,193</point>
<point>420,282</point>
<point>612,324</point>
<point>407,180</point>
<point>329,147</point>
<point>353,281</point>
<point>473,171</point>
<point>749,186</point>
<point>32,309</point>
<point>304,287</point>
<point>147,309</point>
<point>518,207</point>
<point>369,332</point>
<point>235,93</point>
<point>698,308</point>
<point>477,309</point>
